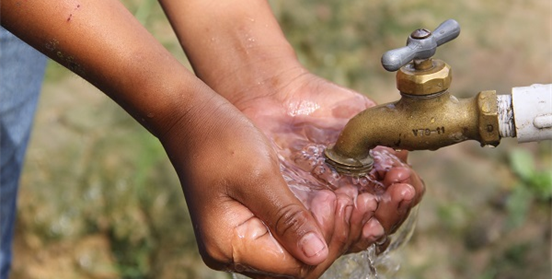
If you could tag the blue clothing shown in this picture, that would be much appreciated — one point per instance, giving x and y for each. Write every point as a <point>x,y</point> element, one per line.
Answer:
<point>21,74</point>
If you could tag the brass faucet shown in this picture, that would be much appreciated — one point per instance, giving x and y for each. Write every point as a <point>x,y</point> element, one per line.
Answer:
<point>427,117</point>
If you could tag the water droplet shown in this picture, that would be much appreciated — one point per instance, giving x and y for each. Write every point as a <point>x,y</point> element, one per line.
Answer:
<point>313,150</point>
<point>319,170</point>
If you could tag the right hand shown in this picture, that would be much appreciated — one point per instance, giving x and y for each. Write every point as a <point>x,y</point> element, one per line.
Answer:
<point>310,111</point>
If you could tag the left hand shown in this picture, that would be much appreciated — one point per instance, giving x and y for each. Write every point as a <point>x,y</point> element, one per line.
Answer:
<point>310,111</point>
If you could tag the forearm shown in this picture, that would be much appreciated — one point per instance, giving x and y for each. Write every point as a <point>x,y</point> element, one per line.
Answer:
<point>233,46</point>
<point>102,42</point>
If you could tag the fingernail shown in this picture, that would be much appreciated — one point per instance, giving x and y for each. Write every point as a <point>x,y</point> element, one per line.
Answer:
<point>408,195</point>
<point>373,230</point>
<point>408,192</point>
<point>312,245</point>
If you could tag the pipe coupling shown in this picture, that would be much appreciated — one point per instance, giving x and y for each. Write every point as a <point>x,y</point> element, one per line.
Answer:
<point>487,105</point>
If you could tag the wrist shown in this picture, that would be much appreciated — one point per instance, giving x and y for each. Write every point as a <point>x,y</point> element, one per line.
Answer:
<point>242,51</point>
<point>259,77</point>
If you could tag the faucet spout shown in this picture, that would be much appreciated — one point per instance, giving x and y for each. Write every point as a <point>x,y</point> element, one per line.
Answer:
<point>415,122</point>
<point>427,116</point>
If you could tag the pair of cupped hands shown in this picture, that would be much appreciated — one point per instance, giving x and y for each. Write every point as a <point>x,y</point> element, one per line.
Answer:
<point>246,219</point>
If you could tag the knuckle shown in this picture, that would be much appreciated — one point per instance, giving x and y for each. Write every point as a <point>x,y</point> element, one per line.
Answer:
<point>292,220</point>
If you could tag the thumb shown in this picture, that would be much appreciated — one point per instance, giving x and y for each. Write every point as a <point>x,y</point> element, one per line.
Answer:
<point>288,219</point>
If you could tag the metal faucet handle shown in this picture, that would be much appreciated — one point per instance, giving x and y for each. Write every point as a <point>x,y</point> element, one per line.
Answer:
<point>421,44</point>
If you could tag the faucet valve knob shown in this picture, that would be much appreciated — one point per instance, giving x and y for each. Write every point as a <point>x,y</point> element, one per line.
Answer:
<point>421,44</point>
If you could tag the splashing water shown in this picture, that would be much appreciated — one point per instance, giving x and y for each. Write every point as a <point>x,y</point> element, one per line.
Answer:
<point>308,171</point>
<point>368,264</point>
<point>303,166</point>
<point>308,168</point>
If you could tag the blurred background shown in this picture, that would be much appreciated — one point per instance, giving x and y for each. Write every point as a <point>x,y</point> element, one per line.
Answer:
<point>99,198</point>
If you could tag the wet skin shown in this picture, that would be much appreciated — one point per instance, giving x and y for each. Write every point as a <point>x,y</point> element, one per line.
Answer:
<point>350,217</point>
<point>218,129</point>
<point>247,60</point>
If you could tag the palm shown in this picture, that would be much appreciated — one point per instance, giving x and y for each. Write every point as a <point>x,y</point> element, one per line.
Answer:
<point>308,117</point>
<point>306,112</point>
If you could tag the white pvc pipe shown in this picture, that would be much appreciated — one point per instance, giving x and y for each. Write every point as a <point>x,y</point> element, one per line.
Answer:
<point>526,113</point>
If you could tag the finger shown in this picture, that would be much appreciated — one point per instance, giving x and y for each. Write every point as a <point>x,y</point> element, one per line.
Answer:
<point>251,237</point>
<point>323,207</point>
<point>394,206</point>
<point>346,197</point>
<point>397,175</point>
<point>340,240</point>
<point>405,174</point>
<point>365,207</point>
<point>371,232</point>
<point>289,221</point>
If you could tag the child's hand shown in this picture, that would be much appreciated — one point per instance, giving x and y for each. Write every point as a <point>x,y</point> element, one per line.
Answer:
<point>309,113</point>
<point>245,217</point>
